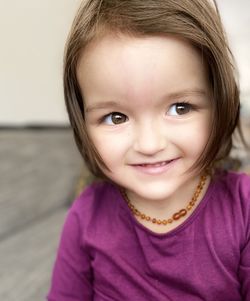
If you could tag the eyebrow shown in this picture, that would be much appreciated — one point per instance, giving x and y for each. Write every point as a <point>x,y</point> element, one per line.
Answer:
<point>107,104</point>
<point>101,105</point>
<point>199,92</point>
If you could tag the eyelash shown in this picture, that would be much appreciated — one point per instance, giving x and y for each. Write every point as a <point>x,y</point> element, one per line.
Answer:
<point>103,119</point>
<point>185,104</point>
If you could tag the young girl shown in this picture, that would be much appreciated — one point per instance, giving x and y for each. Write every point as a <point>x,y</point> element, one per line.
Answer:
<point>153,102</point>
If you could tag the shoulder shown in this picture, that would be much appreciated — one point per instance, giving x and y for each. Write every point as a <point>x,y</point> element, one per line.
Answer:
<point>229,206</point>
<point>233,184</point>
<point>94,195</point>
<point>232,192</point>
<point>94,215</point>
<point>96,201</point>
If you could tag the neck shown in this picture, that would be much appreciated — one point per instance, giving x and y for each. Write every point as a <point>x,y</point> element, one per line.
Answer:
<point>167,207</point>
<point>161,220</point>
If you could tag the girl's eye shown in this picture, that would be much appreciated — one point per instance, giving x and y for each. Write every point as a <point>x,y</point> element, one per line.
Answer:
<point>179,109</point>
<point>115,118</point>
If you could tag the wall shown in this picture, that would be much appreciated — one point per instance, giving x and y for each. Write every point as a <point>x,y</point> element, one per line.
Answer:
<point>32,34</point>
<point>236,17</point>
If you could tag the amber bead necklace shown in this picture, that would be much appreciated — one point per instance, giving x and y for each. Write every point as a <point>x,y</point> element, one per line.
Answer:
<point>176,216</point>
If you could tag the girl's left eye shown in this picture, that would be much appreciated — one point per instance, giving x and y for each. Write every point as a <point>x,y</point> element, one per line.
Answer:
<point>115,118</point>
<point>180,108</point>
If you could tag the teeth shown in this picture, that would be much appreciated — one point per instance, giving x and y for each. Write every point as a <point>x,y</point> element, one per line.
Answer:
<point>156,164</point>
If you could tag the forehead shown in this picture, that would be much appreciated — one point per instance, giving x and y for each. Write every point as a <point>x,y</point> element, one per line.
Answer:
<point>136,68</point>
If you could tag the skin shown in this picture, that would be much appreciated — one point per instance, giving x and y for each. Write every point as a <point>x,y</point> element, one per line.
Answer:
<point>148,113</point>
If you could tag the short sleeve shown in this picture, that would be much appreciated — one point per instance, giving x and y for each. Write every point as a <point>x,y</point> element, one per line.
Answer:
<point>244,267</point>
<point>72,277</point>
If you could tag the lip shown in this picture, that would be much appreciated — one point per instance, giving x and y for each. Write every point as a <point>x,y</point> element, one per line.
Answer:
<point>155,168</point>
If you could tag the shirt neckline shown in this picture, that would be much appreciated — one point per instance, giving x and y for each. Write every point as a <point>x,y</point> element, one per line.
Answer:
<point>207,196</point>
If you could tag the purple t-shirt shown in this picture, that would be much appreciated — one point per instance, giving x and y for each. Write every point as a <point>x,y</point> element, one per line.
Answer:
<point>105,254</point>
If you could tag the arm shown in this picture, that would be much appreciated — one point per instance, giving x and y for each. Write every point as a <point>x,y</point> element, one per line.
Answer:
<point>72,277</point>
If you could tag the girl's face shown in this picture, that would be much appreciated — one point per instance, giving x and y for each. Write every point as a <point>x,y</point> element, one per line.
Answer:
<point>148,112</point>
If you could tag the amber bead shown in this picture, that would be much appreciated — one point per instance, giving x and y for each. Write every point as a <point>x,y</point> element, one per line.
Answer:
<point>183,212</point>
<point>196,195</point>
<point>176,216</point>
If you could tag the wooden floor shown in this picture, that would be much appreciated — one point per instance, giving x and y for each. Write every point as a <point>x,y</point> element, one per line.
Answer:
<point>39,172</point>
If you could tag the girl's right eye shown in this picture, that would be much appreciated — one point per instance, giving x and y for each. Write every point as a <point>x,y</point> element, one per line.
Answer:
<point>115,118</point>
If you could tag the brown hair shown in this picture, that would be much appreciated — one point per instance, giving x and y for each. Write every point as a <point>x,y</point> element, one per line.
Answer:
<point>197,21</point>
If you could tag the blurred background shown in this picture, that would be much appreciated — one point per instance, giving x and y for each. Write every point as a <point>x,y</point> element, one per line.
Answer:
<point>40,168</point>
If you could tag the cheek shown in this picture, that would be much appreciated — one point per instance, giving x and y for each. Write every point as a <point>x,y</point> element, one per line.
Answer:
<point>112,147</point>
<point>193,139</point>
<point>200,141</point>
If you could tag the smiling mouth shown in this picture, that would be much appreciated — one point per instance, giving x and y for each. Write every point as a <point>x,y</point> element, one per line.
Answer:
<point>155,168</point>
<point>157,164</point>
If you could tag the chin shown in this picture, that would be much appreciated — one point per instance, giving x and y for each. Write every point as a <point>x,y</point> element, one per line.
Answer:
<point>155,193</point>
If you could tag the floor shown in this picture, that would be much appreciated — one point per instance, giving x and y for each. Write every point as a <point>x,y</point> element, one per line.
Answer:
<point>40,172</point>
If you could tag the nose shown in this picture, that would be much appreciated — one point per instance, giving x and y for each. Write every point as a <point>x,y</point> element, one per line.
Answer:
<point>150,138</point>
